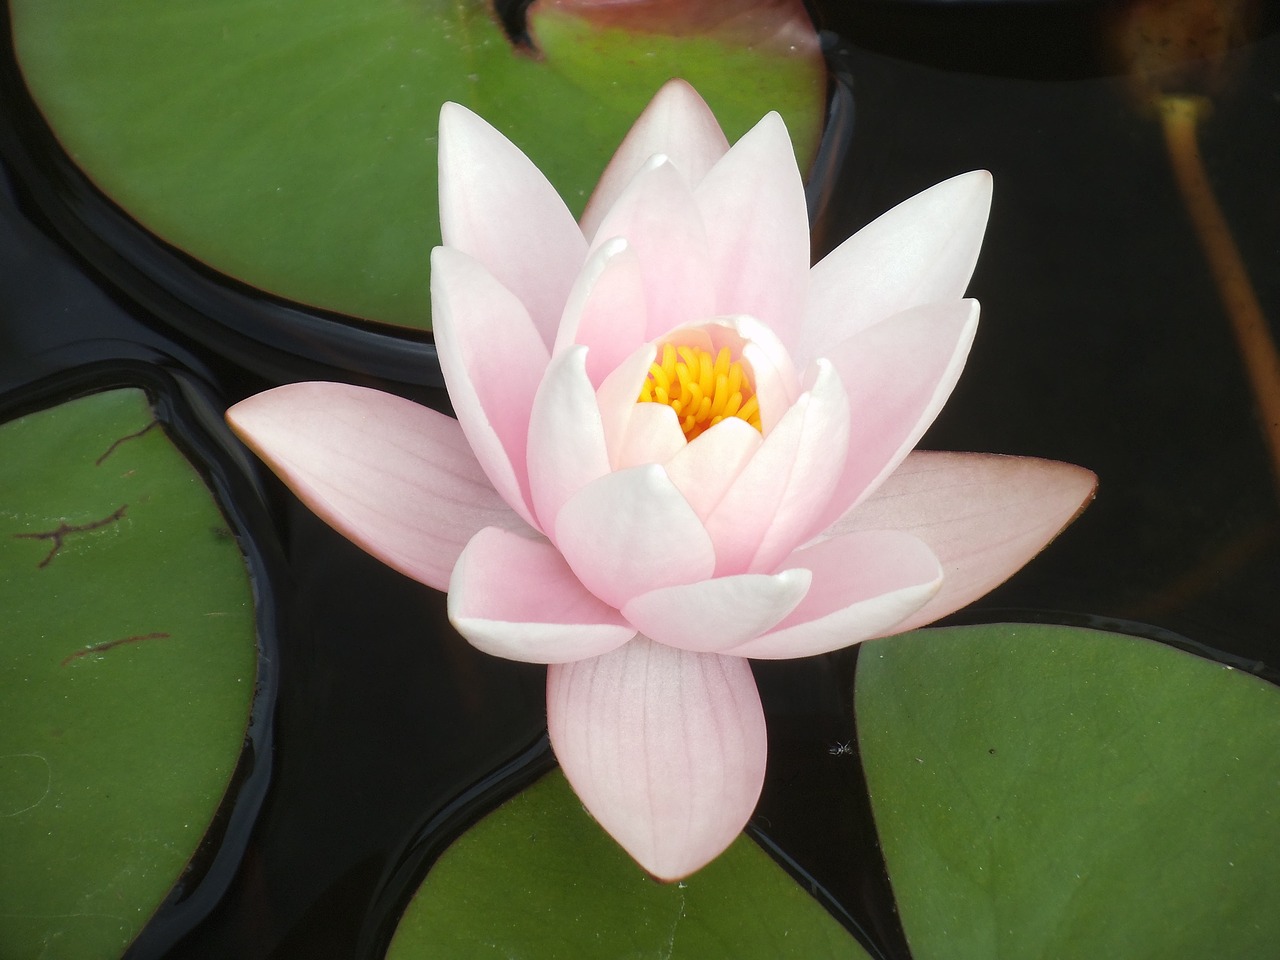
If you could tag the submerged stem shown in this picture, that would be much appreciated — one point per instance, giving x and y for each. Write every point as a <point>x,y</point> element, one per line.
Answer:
<point>1180,115</point>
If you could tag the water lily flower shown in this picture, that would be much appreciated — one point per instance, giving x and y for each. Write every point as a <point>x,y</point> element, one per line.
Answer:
<point>677,447</point>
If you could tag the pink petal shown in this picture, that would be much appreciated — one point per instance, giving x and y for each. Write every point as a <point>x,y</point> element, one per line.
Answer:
<point>617,399</point>
<point>638,433</point>
<point>864,585</point>
<point>714,615</point>
<point>497,207</point>
<point>653,435</point>
<point>395,478</point>
<point>677,123</point>
<point>665,748</point>
<point>775,498</point>
<point>657,217</point>
<point>899,374</point>
<point>606,310</point>
<point>631,532</point>
<point>566,438</point>
<point>516,598</point>
<point>921,251</point>
<point>753,205</point>
<point>772,372</point>
<point>707,465</point>
<point>983,515</point>
<point>493,360</point>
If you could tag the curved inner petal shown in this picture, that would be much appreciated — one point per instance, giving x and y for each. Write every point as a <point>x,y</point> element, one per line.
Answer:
<point>497,207</point>
<point>759,247</point>
<point>768,365</point>
<point>566,446</point>
<point>631,532</point>
<point>493,361</point>
<point>718,614</point>
<point>677,122</point>
<point>774,499</point>
<point>652,435</point>
<point>606,309</point>
<point>657,217</point>
<point>516,598</point>
<point>864,585</point>
<point>707,466</point>
<point>616,398</point>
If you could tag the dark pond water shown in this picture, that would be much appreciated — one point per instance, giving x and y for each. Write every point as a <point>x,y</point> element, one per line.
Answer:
<point>1102,342</point>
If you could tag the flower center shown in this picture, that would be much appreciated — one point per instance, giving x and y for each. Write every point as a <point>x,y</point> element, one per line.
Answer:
<point>700,388</point>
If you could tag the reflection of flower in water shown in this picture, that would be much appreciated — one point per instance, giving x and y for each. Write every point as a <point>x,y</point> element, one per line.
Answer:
<point>677,447</point>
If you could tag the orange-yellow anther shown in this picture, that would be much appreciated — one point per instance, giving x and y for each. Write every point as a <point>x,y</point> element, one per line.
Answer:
<point>700,388</point>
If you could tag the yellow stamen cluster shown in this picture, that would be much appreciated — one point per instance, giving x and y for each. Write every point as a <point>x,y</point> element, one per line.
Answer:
<point>701,389</point>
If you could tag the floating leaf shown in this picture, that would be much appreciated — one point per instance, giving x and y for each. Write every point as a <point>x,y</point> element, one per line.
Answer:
<point>1045,791</point>
<point>538,878</point>
<point>291,144</point>
<point>745,57</point>
<point>127,669</point>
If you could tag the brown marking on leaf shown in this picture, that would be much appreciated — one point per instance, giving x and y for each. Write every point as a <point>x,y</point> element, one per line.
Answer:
<point>65,529</point>
<point>111,644</point>
<point>131,436</point>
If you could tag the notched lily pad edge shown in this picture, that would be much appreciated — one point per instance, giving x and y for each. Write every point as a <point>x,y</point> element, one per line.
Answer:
<point>816,890</point>
<point>275,337</point>
<point>192,421</point>
<point>437,832</point>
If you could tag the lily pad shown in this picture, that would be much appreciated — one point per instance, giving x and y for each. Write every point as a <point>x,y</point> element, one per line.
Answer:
<point>1045,791</point>
<point>127,670</point>
<point>538,878</point>
<point>292,144</point>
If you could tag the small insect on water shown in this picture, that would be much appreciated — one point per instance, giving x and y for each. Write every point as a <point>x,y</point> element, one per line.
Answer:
<point>838,749</point>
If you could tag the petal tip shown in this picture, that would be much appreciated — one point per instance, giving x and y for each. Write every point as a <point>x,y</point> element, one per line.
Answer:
<point>456,123</point>
<point>678,94</point>
<point>666,750</point>
<point>980,182</point>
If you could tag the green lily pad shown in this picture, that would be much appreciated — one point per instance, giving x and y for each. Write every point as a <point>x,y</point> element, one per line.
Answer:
<point>127,669</point>
<point>292,144</point>
<point>538,878</point>
<point>740,79</point>
<point>1051,792</point>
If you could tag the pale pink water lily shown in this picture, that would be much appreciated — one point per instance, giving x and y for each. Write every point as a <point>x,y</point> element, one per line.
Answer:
<point>578,520</point>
